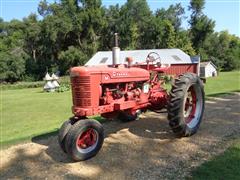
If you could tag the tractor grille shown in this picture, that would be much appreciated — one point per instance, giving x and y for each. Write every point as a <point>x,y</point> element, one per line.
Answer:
<point>81,88</point>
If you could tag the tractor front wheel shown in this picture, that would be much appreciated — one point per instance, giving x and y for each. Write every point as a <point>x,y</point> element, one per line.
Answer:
<point>84,139</point>
<point>66,126</point>
<point>186,104</point>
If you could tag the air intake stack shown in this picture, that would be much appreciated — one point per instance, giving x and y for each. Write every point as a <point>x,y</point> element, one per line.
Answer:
<point>115,51</point>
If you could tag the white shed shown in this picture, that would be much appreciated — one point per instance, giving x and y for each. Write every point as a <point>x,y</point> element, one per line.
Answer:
<point>208,69</point>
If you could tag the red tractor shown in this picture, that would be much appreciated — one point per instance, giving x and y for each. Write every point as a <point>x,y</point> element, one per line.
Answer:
<point>124,90</point>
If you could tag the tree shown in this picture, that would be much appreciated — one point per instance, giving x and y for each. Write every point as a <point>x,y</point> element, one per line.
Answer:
<point>93,23</point>
<point>112,19</point>
<point>68,26</point>
<point>32,35</point>
<point>223,50</point>
<point>12,55</point>
<point>135,17</point>
<point>12,66</point>
<point>201,25</point>
<point>184,43</point>
<point>175,14</point>
<point>44,9</point>
<point>71,57</point>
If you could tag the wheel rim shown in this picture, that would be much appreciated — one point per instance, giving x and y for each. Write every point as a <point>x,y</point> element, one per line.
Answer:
<point>87,141</point>
<point>193,106</point>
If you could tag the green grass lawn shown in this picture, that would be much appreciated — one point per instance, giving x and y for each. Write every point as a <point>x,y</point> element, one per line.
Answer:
<point>26,113</point>
<point>225,83</point>
<point>30,112</point>
<point>224,166</point>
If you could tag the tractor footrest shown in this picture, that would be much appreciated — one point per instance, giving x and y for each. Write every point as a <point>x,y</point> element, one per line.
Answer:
<point>124,105</point>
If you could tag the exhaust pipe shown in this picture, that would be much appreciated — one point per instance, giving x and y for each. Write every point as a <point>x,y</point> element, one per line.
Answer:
<point>115,51</point>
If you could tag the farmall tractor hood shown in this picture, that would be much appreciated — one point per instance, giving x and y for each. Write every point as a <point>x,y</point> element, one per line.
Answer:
<point>108,74</point>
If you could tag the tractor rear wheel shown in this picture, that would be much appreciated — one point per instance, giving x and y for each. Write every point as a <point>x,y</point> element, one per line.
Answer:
<point>84,139</point>
<point>186,104</point>
<point>62,134</point>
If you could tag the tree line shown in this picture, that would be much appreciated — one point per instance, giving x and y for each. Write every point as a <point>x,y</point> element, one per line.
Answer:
<point>71,31</point>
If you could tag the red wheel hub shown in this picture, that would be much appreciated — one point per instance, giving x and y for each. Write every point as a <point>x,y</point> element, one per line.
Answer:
<point>87,138</point>
<point>190,105</point>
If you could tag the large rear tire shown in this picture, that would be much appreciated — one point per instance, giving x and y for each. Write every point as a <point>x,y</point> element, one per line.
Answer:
<point>84,139</point>
<point>186,104</point>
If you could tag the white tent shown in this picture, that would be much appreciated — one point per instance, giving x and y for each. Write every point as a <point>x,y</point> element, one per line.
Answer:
<point>47,77</point>
<point>49,86</point>
<point>54,77</point>
<point>55,84</point>
<point>51,82</point>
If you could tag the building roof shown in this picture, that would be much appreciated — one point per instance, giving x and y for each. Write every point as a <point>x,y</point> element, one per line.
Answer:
<point>204,64</point>
<point>167,56</point>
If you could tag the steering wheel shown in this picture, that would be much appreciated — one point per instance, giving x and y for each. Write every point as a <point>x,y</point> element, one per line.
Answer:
<point>153,56</point>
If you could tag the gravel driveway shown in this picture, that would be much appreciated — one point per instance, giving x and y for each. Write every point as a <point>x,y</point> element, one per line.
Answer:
<point>144,149</point>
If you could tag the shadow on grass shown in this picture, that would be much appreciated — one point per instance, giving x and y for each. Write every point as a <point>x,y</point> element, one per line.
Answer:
<point>40,139</point>
<point>44,136</point>
<point>224,166</point>
<point>222,94</point>
<point>27,139</point>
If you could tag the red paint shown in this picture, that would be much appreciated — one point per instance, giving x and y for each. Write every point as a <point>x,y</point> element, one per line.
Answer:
<point>87,138</point>
<point>191,103</point>
<point>177,69</point>
<point>173,69</point>
<point>107,90</point>
<point>158,98</point>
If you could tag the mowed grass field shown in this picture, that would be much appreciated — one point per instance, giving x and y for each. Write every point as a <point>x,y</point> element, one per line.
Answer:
<point>225,83</point>
<point>27,113</point>
<point>30,112</point>
<point>223,166</point>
